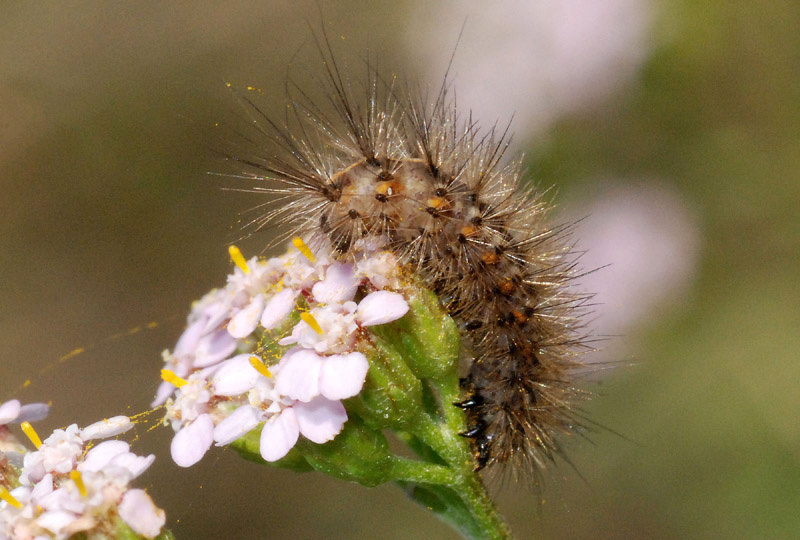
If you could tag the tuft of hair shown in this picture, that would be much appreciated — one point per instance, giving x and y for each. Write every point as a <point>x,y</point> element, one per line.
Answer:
<point>375,160</point>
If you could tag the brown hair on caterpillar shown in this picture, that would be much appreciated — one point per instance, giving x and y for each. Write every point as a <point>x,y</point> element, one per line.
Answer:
<point>437,190</point>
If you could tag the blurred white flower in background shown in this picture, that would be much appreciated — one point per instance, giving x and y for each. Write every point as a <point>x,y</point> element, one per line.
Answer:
<point>538,61</point>
<point>647,241</point>
<point>534,61</point>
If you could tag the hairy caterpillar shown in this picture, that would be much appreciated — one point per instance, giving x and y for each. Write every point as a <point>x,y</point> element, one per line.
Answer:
<point>410,172</point>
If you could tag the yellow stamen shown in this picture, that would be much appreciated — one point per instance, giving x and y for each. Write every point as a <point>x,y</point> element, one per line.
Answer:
<point>9,498</point>
<point>78,479</point>
<point>303,248</point>
<point>238,259</point>
<point>28,430</point>
<point>309,319</point>
<point>259,366</point>
<point>169,376</point>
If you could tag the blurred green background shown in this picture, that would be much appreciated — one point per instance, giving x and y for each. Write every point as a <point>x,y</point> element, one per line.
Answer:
<point>109,220</point>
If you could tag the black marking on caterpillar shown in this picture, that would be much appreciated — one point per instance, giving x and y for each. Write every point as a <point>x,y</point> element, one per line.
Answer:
<point>408,168</point>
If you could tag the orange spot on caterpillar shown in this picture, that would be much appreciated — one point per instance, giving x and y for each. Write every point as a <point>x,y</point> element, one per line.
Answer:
<point>519,316</point>
<point>439,203</point>
<point>490,257</point>
<point>389,188</point>
<point>506,286</point>
<point>469,230</point>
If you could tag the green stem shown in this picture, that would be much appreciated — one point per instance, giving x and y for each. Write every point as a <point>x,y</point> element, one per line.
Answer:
<point>462,501</point>
<point>420,472</point>
<point>483,510</point>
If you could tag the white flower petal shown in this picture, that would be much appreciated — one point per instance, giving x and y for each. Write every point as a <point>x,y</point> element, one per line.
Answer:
<point>192,442</point>
<point>141,514</point>
<point>187,343</point>
<point>42,487</point>
<point>321,419</point>
<point>245,322</point>
<point>279,435</point>
<point>164,391</point>
<point>62,499</point>
<point>342,376</point>
<point>214,348</point>
<point>9,411</point>
<point>299,374</point>
<point>215,315</point>
<point>33,412</point>
<point>340,284</point>
<point>99,456</point>
<point>278,308</point>
<point>134,464</point>
<point>381,307</point>
<point>235,376</point>
<point>238,424</point>
<point>106,428</point>
<point>56,521</point>
<point>288,340</point>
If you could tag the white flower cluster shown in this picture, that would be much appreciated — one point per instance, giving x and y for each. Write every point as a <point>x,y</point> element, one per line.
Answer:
<point>217,385</point>
<point>65,489</point>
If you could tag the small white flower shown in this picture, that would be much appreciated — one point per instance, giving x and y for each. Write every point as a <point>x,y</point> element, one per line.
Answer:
<point>340,284</point>
<point>300,272</point>
<point>338,325</point>
<point>304,375</point>
<point>299,374</point>
<point>190,402</point>
<point>261,276</point>
<point>241,422</point>
<point>58,453</point>
<point>380,269</point>
<point>141,514</point>
<point>235,376</point>
<point>245,322</point>
<point>319,420</point>
<point>213,348</point>
<point>342,375</point>
<point>278,308</point>
<point>279,435</point>
<point>187,343</point>
<point>106,428</point>
<point>111,455</point>
<point>192,442</point>
<point>381,307</point>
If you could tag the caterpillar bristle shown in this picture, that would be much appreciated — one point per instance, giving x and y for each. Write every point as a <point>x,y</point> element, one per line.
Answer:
<point>441,195</point>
